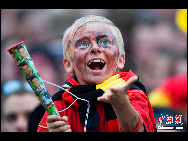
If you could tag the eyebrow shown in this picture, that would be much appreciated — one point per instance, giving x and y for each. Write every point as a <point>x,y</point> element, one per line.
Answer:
<point>80,40</point>
<point>103,36</point>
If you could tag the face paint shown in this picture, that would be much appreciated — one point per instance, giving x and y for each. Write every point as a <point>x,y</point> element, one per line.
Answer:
<point>94,53</point>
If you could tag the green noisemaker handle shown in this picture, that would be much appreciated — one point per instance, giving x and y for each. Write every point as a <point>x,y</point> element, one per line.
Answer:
<point>23,60</point>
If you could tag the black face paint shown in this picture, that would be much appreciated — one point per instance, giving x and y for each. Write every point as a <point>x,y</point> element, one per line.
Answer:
<point>102,40</point>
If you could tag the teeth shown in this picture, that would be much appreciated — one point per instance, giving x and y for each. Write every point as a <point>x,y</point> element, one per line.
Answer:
<point>96,60</point>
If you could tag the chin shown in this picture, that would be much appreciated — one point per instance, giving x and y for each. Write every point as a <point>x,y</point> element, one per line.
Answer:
<point>96,80</point>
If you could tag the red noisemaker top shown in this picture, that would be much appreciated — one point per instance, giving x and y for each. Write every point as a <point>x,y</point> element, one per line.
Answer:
<point>15,45</point>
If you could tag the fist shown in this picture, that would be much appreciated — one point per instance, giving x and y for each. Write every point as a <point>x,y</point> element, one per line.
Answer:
<point>58,124</point>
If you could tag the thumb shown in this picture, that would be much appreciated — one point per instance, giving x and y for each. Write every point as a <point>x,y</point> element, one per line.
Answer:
<point>125,85</point>
<point>64,118</point>
<point>131,80</point>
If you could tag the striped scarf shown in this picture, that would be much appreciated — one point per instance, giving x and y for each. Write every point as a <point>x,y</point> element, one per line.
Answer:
<point>90,93</point>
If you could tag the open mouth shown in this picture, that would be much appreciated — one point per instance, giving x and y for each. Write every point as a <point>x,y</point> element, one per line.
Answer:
<point>96,64</point>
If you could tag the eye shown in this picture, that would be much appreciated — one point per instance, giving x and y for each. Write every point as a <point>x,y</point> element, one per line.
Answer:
<point>104,43</point>
<point>83,44</point>
<point>11,118</point>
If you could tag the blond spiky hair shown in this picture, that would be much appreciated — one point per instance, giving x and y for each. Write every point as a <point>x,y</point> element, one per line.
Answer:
<point>71,31</point>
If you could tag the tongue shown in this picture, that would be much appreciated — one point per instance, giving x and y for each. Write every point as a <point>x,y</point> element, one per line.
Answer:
<point>96,65</point>
<point>95,68</point>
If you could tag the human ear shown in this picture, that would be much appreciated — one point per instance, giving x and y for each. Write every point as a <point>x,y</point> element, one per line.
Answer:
<point>121,61</point>
<point>68,66</point>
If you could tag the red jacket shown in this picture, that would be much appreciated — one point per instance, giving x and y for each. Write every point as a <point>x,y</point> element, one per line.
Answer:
<point>137,98</point>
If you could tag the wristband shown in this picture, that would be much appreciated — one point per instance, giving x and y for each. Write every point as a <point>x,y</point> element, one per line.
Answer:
<point>139,123</point>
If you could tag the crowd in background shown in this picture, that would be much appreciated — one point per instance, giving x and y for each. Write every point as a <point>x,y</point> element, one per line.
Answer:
<point>156,49</point>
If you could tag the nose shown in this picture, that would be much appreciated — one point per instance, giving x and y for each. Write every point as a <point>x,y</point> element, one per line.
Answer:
<point>21,124</point>
<point>95,49</point>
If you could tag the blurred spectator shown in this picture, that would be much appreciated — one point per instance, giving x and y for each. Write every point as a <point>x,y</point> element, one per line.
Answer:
<point>171,93</point>
<point>17,102</point>
<point>155,48</point>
